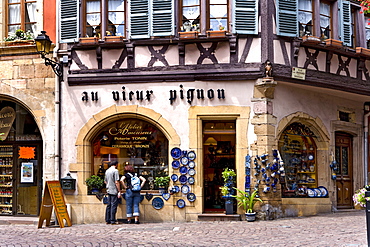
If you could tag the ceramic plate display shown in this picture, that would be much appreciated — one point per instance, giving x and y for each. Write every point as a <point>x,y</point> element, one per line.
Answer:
<point>191,197</point>
<point>191,180</point>
<point>191,155</point>
<point>310,157</point>
<point>184,161</point>
<point>324,191</point>
<point>183,179</point>
<point>180,203</point>
<point>174,177</point>
<point>176,153</point>
<point>185,189</point>
<point>191,172</point>
<point>166,196</point>
<point>311,193</point>
<point>183,170</point>
<point>175,164</point>
<point>191,164</point>
<point>318,192</point>
<point>157,203</point>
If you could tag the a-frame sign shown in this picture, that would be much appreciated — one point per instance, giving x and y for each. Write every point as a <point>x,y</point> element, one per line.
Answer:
<point>53,197</point>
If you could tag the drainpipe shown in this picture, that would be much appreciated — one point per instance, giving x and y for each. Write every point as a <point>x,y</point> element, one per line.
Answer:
<point>366,141</point>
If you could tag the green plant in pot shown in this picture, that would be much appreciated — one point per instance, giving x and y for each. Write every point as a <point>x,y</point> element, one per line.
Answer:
<point>162,183</point>
<point>95,183</point>
<point>247,200</point>
<point>228,190</point>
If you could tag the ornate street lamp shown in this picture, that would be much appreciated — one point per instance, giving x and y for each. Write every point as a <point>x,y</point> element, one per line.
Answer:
<point>43,44</point>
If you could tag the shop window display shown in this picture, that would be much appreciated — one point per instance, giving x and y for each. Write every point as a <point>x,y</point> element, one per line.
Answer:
<point>298,151</point>
<point>132,142</point>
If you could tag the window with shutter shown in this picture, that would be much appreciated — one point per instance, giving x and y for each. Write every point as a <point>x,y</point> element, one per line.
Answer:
<point>345,22</point>
<point>286,17</point>
<point>245,17</point>
<point>69,20</point>
<point>163,19</point>
<point>21,15</point>
<point>139,19</point>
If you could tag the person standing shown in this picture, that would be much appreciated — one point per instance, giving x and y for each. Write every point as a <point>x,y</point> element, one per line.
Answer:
<point>132,197</point>
<point>113,190</point>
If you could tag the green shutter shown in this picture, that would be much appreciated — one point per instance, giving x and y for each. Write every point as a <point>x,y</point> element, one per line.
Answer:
<point>68,20</point>
<point>345,22</point>
<point>162,18</point>
<point>139,19</point>
<point>287,17</point>
<point>245,17</point>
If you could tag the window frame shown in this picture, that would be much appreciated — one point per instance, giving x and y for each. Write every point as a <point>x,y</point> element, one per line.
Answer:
<point>104,18</point>
<point>22,5</point>
<point>204,19</point>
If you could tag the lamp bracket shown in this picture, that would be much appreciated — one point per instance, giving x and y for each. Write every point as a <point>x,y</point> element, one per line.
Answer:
<point>57,67</point>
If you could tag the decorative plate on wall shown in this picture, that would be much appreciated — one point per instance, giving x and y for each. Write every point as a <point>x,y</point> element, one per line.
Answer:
<point>174,177</point>
<point>180,203</point>
<point>175,164</point>
<point>324,191</point>
<point>191,164</point>
<point>191,180</point>
<point>191,155</point>
<point>191,197</point>
<point>191,172</point>
<point>157,203</point>
<point>183,170</point>
<point>176,153</point>
<point>183,179</point>
<point>185,189</point>
<point>184,161</point>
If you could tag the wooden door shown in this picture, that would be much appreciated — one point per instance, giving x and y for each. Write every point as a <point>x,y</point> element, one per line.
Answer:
<point>343,155</point>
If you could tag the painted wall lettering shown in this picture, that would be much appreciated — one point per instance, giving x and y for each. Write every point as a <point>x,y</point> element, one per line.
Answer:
<point>199,94</point>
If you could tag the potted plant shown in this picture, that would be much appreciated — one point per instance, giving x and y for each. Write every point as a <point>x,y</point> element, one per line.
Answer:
<point>20,37</point>
<point>95,183</point>
<point>162,183</point>
<point>228,190</point>
<point>247,200</point>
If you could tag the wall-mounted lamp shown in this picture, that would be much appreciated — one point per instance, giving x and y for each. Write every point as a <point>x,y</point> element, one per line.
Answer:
<point>43,45</point>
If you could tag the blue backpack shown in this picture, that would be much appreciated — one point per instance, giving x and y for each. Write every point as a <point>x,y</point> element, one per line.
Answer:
<point>135,182</point>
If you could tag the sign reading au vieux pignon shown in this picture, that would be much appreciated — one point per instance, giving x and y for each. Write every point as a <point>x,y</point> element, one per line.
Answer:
<point>7,116</point>
<point>181,93</point>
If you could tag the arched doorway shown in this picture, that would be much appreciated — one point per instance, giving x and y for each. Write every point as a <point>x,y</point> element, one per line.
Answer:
<point>20,161</point>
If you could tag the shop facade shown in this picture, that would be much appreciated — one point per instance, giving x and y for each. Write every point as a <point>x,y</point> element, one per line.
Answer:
<point>286,113</point>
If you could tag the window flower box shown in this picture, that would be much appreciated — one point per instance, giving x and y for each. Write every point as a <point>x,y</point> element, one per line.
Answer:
<point>311,40</point>
<point>113,39</point>
<point>216,34</point>
<point>19,42</point>
<point>363,51</point>
<point>188,35</point>
<point>89,41</point>
<point>334,43</point>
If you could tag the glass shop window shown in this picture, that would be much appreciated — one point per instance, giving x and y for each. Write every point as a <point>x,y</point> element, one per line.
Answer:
<point>298,151</point>
<point>132,142</point>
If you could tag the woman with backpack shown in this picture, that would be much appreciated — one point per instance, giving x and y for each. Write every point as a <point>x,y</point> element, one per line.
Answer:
<point>133,186</point>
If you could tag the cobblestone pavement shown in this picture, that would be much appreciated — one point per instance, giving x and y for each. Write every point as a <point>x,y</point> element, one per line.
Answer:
<point>337,229</point>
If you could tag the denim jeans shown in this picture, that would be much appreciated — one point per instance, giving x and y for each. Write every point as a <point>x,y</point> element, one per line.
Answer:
<point>132,203</point>
<point>111,210</point>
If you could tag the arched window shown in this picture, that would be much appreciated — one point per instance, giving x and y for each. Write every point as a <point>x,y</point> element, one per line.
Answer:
<point>298,151</point>
<point>132,142</point>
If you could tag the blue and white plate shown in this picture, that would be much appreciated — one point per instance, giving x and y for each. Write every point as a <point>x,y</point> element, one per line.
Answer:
<point>183,170</point>
<point>180,203</point>
<point>166,196</point>
<point>191,197</point>
<point>191,164</point>
<point>324,191</point>
<point>184,161</point>
<point>177,189</point>
<point>174,177</point>
<point>185,189</point>
<point>191,172</point>
<point>175,164</point>
<point>183,179</point>
<point>191,180</point>
<point>191,155</point>
<point>311,193</point>
<point>318,192</point>
<point>157,203</point>
<point>176,153</point>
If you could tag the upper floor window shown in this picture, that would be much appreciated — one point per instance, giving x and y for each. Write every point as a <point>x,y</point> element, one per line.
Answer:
<point>216,13</point>
<point>367,30</point>
<point>21,15</point>
<point>325,20</point>
<point>111,21</point>
<point>305,18</point>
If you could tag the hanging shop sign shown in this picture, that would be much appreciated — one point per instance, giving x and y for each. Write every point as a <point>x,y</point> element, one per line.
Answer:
<point>177,94</point>
<point>26,153</point>
<point>7,116</point>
